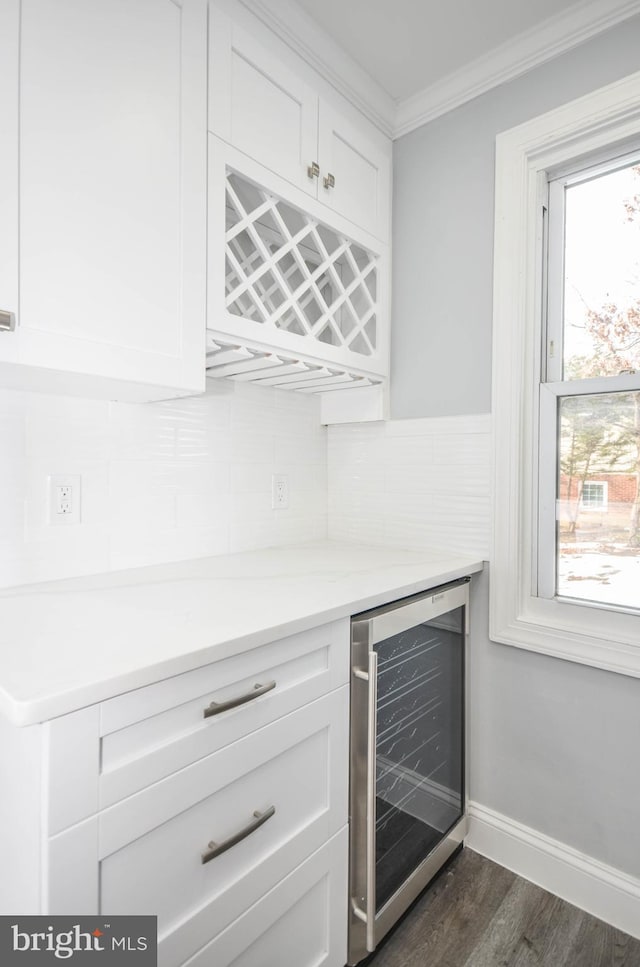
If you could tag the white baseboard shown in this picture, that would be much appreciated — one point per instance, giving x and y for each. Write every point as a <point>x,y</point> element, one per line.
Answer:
<point>593,886</point>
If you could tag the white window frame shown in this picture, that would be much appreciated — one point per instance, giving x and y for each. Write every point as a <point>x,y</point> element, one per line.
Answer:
<point>603,503</point>
<point>578,631</point>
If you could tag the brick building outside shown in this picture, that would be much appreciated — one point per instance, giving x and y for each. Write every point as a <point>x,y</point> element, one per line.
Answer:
<point>598,508</point>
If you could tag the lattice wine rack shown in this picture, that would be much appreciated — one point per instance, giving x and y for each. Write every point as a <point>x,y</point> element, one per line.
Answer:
<point>301,299</point>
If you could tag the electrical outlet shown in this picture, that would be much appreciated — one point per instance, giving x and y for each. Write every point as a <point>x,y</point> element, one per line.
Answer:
<point>64,498</point>
<point>279,491</point>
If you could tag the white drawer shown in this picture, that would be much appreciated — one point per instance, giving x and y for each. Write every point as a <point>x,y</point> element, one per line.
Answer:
<point>149,733</point>
<point>302,922</point>
<point>100,755</point>
<point>151,845</point>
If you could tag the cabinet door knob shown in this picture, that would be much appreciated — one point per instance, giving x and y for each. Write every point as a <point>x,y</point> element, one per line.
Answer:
<point>329,181</point>
<point>7,321</point>
<point>314,170</point>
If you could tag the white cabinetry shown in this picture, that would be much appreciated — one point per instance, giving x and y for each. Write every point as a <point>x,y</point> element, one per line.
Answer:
<point>298,924</point>
<point>272,114</point>
<point>109,257</point>
<point>9,174</point>
<point>355,176</point>
<point>103,208</point>
<point>229,826</point>
<point>259,105</point>
<point>298,278</point>
<point>293,300</point>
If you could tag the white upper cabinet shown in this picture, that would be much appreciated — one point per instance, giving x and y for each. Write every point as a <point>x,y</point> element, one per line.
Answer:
<point>111,155</point>
<point>257,104</point>
<point>299,227</point>
<point>298,296</point>
<point>9,127</point>
<point>269,112</point>
<point>355,176</point>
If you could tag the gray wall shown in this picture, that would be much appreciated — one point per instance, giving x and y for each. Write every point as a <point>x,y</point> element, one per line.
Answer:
<point>555,745</point>
<point>443,228</point>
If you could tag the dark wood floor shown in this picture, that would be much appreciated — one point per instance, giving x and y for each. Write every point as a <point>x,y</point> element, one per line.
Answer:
<point>478,914</point>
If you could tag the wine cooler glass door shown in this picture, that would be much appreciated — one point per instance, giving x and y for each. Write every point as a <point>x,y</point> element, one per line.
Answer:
<point>407,798</point>
<point>419,754</point>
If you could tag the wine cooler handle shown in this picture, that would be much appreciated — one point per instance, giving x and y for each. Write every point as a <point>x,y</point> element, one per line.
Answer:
<point>367,916</point>
<point>372,716</point>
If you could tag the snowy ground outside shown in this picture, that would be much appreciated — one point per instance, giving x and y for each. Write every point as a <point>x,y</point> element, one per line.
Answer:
<point>610,575</point>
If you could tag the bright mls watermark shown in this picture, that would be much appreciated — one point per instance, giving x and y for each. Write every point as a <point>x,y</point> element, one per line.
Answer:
<point>79,941</point>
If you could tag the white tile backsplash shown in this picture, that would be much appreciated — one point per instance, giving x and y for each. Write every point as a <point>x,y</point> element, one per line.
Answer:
<point>160,481</point>
<point>417,483</point>
<point>189,478</point>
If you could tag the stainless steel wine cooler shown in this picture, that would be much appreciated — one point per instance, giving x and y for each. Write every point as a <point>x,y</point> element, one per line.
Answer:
<point>407,795</point>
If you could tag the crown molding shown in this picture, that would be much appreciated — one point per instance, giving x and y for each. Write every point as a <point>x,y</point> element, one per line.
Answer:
<point>528,50</point>
<point>303,35</point>
<point>552,37</point>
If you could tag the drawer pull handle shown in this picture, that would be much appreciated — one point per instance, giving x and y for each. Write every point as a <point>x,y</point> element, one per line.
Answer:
<point>215,849</point>
<point>7,321</point>
<point>216,707</point>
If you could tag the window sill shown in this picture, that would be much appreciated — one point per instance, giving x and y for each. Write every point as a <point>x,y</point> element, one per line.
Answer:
<point>570,631</point>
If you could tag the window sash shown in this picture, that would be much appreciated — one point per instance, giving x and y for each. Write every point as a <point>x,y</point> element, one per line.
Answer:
<point>525,155</point>
<point>554,204</point>
<point>552,386</point>
<point>544,581</point>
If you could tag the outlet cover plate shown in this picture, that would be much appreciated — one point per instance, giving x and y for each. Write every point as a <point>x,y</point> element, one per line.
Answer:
<point>64,498</point>
<point>279,491</point>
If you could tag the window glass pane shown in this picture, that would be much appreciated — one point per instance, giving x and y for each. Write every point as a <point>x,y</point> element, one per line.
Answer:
<point>601,331</point>
<point>598,533</point>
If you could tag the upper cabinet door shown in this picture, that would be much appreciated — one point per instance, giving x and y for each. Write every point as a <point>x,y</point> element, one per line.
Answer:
<point>9,126</point>
<point>261,107</point>
<point>270,113</point>
<point>355,175</point>
<point>113,193</point>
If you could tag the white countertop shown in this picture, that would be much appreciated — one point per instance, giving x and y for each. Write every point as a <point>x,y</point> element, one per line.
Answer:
<point>68,644</point>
